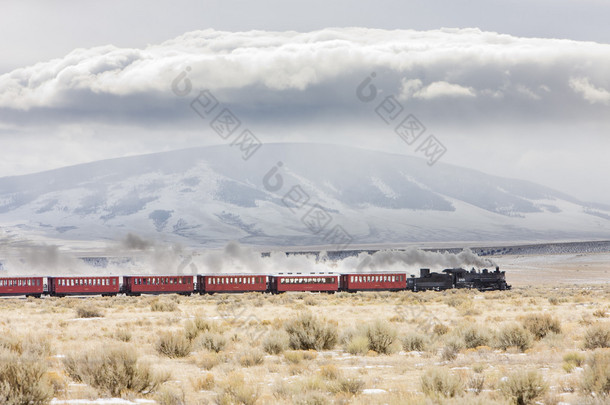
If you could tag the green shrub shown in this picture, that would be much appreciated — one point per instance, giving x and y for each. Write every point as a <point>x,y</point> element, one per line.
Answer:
<point>23,379</point>
<point>596,377</point>
<point>541,324</point>
<point>173,345</point>
<point>414,341</point>
<point>113,370</point>
<point>381,336</point>
<point>597,337</point>
<point>514,336</point>
<point>439,382</point>
<point>307,332</point>
<point>524,387</point>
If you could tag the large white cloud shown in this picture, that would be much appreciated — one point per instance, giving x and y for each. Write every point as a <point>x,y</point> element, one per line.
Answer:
<point>447,63</point>
<point>473,89</point>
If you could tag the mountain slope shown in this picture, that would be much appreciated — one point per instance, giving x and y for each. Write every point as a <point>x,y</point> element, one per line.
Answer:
<point>207,196</point>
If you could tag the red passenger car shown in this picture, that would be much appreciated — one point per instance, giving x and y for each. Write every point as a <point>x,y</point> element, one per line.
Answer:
<point>373,281</point>
<point>228,283</point>
<point>28,286</point>
<point>62,286</point>
<point>136,285</point>
<point>309,282</point>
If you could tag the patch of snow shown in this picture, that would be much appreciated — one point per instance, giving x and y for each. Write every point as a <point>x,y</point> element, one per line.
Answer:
<point>373,391</point>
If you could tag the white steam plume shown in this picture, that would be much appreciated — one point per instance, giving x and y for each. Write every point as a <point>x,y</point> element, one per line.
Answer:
<point>393,259</point>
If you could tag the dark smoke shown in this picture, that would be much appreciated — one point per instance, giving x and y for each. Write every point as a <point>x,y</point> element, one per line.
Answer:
<point>134,242</point>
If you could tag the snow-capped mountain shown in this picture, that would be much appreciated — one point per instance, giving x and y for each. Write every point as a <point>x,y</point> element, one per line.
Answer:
<point>289,195</point>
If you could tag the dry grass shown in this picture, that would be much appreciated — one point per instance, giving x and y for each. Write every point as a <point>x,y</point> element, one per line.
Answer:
<point>248,358</point>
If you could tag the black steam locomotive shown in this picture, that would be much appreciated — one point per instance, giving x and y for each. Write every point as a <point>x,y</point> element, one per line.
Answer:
<point>483,280</point>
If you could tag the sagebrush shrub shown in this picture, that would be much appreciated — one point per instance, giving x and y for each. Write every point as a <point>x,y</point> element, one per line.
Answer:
<point>235,390</point>
<point>541,324</point>
<point>208,360</point>
<point>170,396</point>
<point>194,327</point>
<point>597,337</point>
<point>89,311</point>
<point>123,335</point>
<point>475,336</point>
<point>307,332</point>
<point>414,341</point>
<point>113,370</point>
<point>23,379</point>
<point>381,336</point>
<point>251,358</point>
<point>211,341</point>
<point>276,342</point>
<point>452,347</point>
<point>173,345</point>
<point>358,345</point>
<point>439,382</point>
<point>514,336</point>
<point>524,387</point>
<point>596,377</point>
<point>346,385</point>
<point>163,306</point>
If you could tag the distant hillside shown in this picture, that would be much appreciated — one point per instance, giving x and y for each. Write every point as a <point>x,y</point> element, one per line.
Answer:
<point>208,196</point>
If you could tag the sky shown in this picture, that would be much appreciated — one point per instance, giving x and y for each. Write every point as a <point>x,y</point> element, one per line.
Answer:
<point>512,88</point>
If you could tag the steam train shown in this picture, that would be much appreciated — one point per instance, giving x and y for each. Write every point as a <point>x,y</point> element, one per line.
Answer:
<point>483,280</point>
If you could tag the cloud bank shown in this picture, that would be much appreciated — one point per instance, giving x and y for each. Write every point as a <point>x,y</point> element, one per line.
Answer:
<point>545,101</point>
<point>323,67</point>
